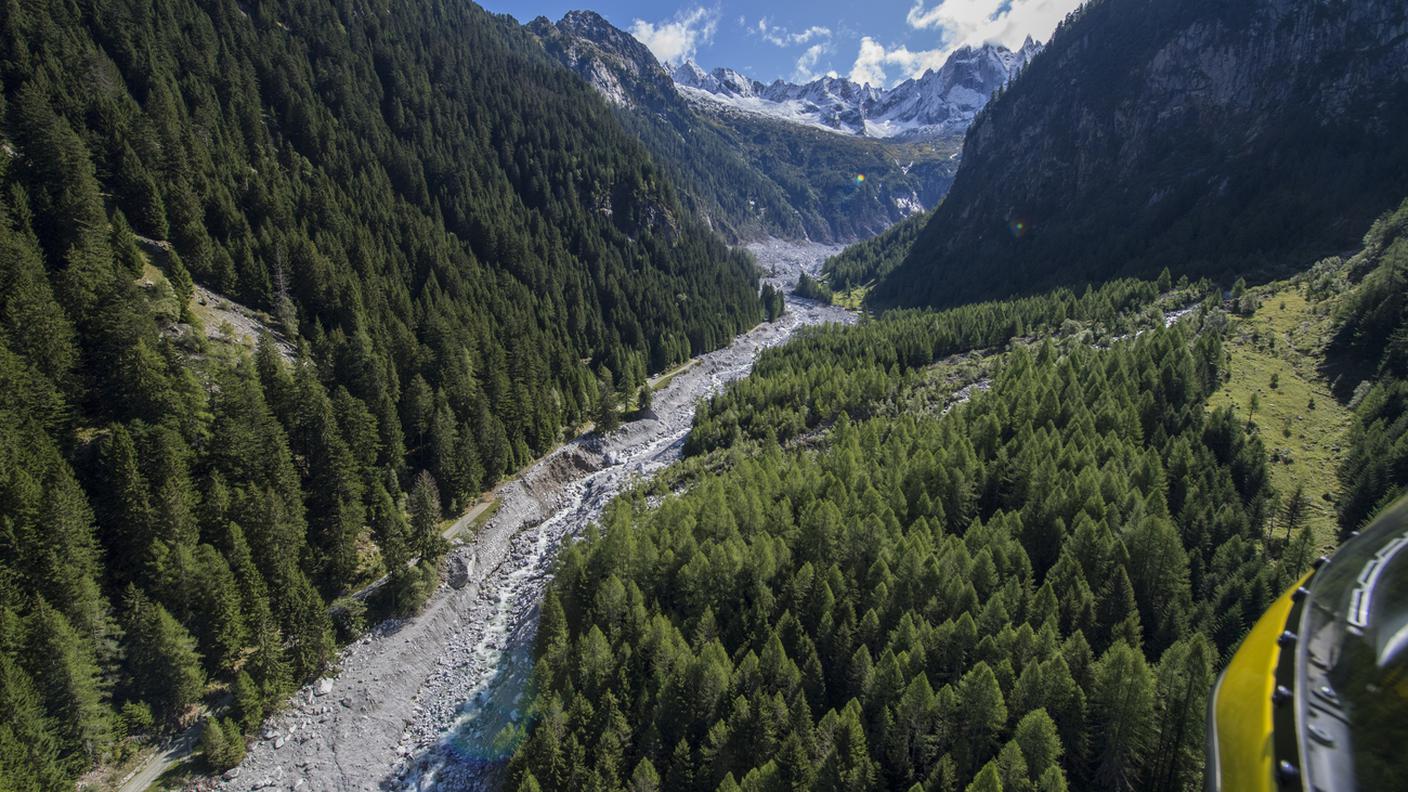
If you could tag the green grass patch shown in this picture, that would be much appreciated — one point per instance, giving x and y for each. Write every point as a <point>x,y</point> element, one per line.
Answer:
<point>1275,358</point>
<point>852,299</point>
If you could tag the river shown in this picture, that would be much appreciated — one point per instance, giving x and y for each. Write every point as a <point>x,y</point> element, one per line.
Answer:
<point>417,704</point>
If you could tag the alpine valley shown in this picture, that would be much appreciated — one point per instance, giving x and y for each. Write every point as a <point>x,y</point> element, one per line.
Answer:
<point>782,159</point>
<point>398,396</point>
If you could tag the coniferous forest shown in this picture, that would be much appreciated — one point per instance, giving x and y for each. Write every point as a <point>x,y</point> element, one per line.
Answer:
<point>1030,592</point>
<point>852,586</point>
<point>459,248</point>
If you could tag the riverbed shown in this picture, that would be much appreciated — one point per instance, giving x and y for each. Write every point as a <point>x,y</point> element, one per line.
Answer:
<point>423,703</point>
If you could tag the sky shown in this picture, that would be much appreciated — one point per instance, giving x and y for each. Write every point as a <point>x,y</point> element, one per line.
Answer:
<point>880,42</point>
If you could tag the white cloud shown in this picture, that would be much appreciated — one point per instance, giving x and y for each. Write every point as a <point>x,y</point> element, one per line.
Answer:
<point>806,64</point>
<point>873,59</point>
<point>959,23</point>
<point>782,37</point>
<point>976,22</point>
<point>677,39</point>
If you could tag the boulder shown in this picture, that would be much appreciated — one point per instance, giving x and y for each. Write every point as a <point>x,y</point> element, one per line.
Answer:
<point>324,686</point>
<point>458,572</point>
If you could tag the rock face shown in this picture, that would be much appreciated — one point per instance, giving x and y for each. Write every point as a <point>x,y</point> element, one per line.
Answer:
<point>1213,138</point>
<point>937,104</point>
<point>613,61</point>
<point>756,175</point>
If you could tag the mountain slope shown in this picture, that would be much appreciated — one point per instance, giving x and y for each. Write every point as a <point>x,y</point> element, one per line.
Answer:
<point>1208,137</point>
<point>863,262</point>
<point>752,175</point>
<point>465,248</point>
<point>719,184</point>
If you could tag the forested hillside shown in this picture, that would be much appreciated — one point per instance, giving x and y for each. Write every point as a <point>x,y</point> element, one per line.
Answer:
<point>1371,348</point>
<point>462,247</point>
<point>864,262</point>
<point>1031,591</point>
<point>1214,138</point>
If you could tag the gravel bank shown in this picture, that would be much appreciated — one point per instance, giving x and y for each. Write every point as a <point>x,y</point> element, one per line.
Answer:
<point>418,702</point>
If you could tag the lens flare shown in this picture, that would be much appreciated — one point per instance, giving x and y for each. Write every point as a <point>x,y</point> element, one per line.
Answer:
<point>860,179</point>
<point>1018,227</point>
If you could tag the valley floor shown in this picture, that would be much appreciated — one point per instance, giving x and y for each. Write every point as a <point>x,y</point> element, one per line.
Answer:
<point>417,702</point>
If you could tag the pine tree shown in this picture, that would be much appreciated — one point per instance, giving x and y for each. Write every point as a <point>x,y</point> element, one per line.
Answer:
<point>1012,768</point>
<point>307,627</point>
<point>163,667</point>
<point>36,325</point>
<point>1184,677</point>
<point>608,416</point>
<point>983,714</point>
<point>1040,742</point>
<point>221,632</point>
<point>987,780</point>
<point>65,674</point>
<point>249,705</point>
<point>425,516</point>
<point>1295,510</point>
<point>234,742</point>
<point>125,512</point>
<point>1122,709</point>
<point>29,749</point>
<point>1053,780</point>
<point>214,744</point>
<point>849,765</point>
<point>644,778</point>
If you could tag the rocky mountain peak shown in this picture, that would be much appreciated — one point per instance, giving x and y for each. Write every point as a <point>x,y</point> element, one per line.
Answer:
<point>939,103</point>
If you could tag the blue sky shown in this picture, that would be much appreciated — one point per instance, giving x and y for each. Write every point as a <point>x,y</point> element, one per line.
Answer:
<point>880,42</point>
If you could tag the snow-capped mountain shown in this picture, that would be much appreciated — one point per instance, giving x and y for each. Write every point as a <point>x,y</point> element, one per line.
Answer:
<point>938,103</point>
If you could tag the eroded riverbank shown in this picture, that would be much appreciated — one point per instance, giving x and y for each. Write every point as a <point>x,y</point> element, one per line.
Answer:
<point>418,702</point>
